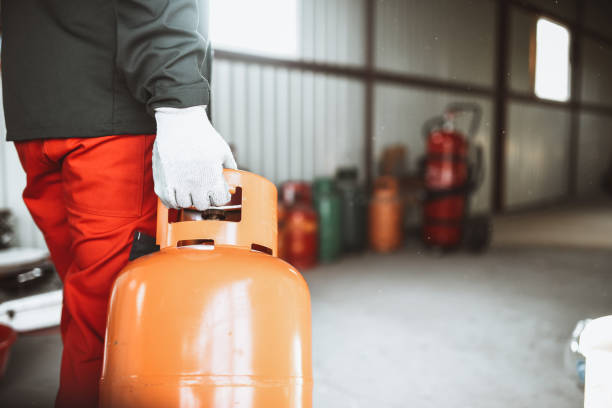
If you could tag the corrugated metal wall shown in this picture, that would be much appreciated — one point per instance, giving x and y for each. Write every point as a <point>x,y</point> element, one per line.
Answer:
<point>564,8</point>
<point>598,14</point>
<point>445,39</point>
<point>595,140</point>
<point>521,25</point>
<point>537,156</point>
<point>594,152</point>
<point>332,31</point>
<point>288,124</point>
<point>537,145</point>
<point>537,160</point>
<point>597,73</point>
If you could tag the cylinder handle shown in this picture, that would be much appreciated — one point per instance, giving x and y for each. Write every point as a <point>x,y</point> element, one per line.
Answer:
<point>257,226</point>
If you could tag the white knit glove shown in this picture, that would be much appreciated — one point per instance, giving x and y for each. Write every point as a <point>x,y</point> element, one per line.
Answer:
<point>188,159</point>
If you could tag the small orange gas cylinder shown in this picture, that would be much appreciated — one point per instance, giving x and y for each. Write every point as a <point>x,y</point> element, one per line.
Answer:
<point>214,319</point>
<point>386,215</point>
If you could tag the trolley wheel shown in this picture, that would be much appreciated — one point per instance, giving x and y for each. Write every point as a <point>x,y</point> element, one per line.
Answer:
<point>477,233</point>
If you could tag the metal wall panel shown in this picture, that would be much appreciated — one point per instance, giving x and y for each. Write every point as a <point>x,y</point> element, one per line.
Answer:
<point>400,114</point>
<point>522,24</point>
<point>596,72</point>
<point>287,124</point>
<point>594,152</point>
<point>564,8</point>
<point>446,39</point>
<point>537,154</point>
<point>333,31</point>
<point>598,16</point>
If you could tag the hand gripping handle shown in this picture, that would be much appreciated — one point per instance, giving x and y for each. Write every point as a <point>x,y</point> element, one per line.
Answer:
<point>257,225</point>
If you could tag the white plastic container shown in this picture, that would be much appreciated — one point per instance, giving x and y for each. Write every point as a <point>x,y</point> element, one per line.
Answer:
<point>32,312</point>
<point>596,345</point>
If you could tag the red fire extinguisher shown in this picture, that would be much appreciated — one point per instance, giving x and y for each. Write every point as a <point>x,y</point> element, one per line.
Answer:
<point>453,170</point>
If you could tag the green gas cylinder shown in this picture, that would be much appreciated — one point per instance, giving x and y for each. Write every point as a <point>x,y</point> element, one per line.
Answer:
<point>329,210</point>
<point>354,205</point>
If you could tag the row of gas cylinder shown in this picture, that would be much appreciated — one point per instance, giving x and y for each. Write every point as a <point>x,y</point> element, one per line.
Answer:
<point>318,222</point>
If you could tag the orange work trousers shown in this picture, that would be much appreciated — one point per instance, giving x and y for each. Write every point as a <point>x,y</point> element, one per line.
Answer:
<point>88,196</point>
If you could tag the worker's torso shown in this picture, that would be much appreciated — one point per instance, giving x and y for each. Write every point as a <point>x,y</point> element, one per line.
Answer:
<point>58,72</point>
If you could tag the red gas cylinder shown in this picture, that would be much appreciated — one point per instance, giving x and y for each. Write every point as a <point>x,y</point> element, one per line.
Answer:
<point>214,319</point>
<point>7,338</point>
<point>282,218</point>
<point>448,177</point>
<point>298,225</point>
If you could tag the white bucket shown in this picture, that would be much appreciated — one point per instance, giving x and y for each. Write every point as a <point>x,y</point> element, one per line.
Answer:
<point>596,345</point>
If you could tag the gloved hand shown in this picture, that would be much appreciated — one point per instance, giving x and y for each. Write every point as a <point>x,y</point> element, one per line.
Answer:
<point>188,159</point>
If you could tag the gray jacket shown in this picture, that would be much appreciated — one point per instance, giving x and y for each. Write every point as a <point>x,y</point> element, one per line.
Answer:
<point>90,68</point>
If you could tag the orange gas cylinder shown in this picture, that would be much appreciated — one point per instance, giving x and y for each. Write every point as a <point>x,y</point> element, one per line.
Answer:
<point>386,216</point>
<point>221,322</point>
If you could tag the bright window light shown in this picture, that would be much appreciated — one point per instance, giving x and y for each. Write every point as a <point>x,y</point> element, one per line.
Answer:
<point>266,27</point>
<point>552,61</point>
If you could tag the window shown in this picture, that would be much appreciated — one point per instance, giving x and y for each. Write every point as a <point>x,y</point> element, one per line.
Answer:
<point>552,80</point>
<point>267,27</point>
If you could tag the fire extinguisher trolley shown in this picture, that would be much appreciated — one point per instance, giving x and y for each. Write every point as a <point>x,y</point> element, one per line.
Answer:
<point>214,319</point>
<point>453,170</point>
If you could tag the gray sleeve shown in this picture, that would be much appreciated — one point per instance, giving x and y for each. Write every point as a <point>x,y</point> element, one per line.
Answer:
<point>161,53</point>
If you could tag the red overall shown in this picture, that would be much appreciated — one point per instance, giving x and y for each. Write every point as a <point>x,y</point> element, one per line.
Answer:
<point>88,196</point>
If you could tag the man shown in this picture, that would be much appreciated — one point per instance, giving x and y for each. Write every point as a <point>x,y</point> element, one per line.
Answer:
<point>87,84</point>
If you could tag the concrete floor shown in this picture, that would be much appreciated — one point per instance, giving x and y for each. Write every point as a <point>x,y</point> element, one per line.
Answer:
<point>420,329</point>
<point>32,376</point>
<point>413,329</point>
<point>583,225</point>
